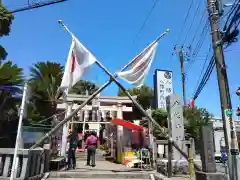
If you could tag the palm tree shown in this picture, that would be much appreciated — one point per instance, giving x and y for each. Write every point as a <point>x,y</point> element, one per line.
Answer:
<point>11,80</point>
<point>45,79</point>
<point>84,86</point>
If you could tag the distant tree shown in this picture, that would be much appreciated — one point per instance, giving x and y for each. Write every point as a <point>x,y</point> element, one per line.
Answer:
<point>84,86</point>
<point>144,95</point>
<point>194,120</point>
<point>160,116</point>
<point>6,19</point>
<point>144,98</point>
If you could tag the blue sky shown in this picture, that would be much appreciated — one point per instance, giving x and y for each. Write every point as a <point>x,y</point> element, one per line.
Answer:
<point>108,29</point>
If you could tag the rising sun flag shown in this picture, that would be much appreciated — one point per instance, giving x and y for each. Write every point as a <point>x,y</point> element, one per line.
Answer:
<point>78,63</point>
<point>140,65</point>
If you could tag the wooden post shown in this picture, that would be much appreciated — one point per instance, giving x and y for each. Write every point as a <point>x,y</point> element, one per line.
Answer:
<point>190,159</point>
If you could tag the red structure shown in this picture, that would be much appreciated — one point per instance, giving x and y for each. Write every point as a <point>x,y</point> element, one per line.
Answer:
<point>127,125</point>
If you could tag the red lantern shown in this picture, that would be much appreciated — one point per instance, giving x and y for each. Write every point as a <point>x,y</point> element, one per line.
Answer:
<point>238,111</point>
<point>238,91</point>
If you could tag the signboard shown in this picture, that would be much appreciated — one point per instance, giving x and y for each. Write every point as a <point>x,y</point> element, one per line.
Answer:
<point>163,87</point>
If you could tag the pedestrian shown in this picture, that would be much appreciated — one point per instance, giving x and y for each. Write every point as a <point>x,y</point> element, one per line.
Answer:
<point>72,139</point>
<point>91,145</point>
<point>86,134</point>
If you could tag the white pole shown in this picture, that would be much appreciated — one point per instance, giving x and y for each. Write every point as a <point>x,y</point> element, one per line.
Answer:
<point>15,163</point>
<point>65,131</point>
<point>84,124</point>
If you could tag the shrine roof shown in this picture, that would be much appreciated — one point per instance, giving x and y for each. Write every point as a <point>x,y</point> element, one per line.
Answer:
<point>102,99</point>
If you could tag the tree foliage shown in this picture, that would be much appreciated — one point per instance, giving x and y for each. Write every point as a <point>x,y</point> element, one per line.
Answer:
<point>45,79</point>
<point>160,116</point>
<point>11,78</point>
<point>82,87</point>
<point>6,19</point>
<point>194,120</point>
<point>144,95</point>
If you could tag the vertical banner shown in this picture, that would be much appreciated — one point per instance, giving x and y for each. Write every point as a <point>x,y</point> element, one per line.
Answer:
<point>163,87</point>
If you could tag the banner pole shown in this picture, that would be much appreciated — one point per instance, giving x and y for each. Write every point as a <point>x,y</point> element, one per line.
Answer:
<point>139,107</point>
<point>22,111</point>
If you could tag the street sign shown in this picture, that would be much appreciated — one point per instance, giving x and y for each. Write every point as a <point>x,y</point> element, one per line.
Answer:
<point>228,112</point>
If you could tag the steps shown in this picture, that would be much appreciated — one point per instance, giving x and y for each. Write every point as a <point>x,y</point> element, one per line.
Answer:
<point>71,175</point>
<point>82,156</point>
<point>103,170</point>
<point>86,179</point>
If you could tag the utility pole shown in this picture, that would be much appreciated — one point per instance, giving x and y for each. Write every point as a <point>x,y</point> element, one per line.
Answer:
<point>181,58</point>
<point>226,107</point>
<point>180,54</point>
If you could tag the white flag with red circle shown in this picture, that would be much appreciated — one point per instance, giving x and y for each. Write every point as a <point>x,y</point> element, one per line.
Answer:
<point>78,63</point>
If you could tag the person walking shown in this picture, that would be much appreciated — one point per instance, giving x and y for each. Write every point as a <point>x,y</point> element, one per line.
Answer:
<point>91,145</point>
<point>72,138</point>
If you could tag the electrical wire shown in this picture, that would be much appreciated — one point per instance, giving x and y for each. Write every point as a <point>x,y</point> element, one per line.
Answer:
<point>199,44</point>
<point>204,64</point>
<point>230,12</point>
<point>145,20</point>
<point>200,23</point>
<point>180,34</point>
<point>234,19</point>
<point>185,20</point>
<point>230,31</point>
<point>193,20</point>
<point>205,78</point>
<point>232,50</point>
<point>36,5</point>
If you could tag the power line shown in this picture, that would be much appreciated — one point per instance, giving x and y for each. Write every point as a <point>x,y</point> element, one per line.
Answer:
<point>204,64</point>
<point>232,50</point>
<point>205,78</point>
<point>146,19</point>
<point>35,5</point>
<point>199,44</point>
<point>235,19</point>
<point>198,27</point>
<point>185,20</point>
<point>190,27</point>
<point>230,12</point>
